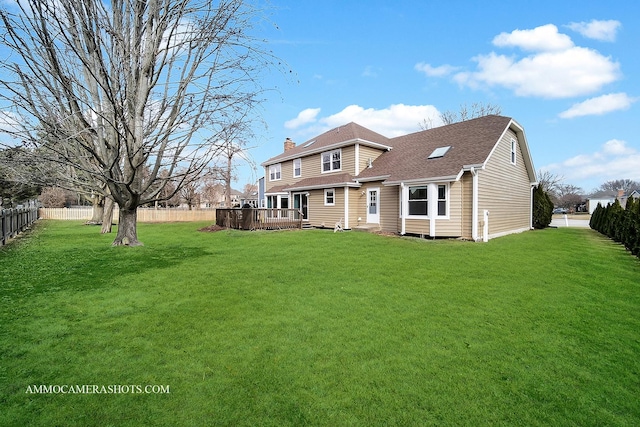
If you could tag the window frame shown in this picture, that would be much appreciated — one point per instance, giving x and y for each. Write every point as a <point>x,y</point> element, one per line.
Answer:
<point>514,147</point>
<point>297,161</point>
<point>331,161</point>
<point>421,200</point>
<point>326,196</point>
<point>275,172</point>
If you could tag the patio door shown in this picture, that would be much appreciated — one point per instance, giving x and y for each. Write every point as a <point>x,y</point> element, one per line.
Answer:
<point>373,205</point>
<point>300,202</point>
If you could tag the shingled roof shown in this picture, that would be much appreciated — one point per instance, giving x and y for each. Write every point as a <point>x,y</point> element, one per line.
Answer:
<point>470,144</point>
<point>334,138</point>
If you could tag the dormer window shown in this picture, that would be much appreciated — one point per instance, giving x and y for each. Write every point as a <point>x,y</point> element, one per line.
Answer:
<point>331,161</point>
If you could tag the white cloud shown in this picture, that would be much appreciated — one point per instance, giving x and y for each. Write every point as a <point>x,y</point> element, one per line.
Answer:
<point>598,30</point>
<point>304,117</point>
<point>544,38</point>
<point>599,105</point>
<point>553,67</point>
<point>441,71</point>
<point>397,119</point>
<point>556,74</point>
<point>615,160</point>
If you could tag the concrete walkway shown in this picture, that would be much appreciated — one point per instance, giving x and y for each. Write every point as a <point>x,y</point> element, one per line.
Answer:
<point>562,222</point>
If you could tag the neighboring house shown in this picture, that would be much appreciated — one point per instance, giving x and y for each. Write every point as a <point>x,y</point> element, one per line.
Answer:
<point>605,198</point>
<point>440,182</point>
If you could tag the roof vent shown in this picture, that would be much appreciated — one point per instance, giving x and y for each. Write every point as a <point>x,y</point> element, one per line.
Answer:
<point>439,152</point>
<point>308,143</point>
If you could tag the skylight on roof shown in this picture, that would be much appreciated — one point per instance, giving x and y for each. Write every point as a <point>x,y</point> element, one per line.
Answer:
<point>308,144</point>
<point>439,152</point>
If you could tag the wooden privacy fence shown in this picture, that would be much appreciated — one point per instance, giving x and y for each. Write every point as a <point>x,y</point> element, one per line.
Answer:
<point>259,219</point>
<point>14,221</point>
<point>144,214</point>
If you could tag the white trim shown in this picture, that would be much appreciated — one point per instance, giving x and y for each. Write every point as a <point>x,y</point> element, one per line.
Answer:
<point>357,156</point>
<point>417,181</point>
<point>294,167</point>
<point>277,167</point>
<point>513,152</point>
<point>333,196</point>
<point>331,169</point>
<point>403,209</point>
<point>432,201</point>
<point>346,207</point>
<point>373,218</point>
<point>474,204</point>
<point>322,186</point>
<point>328,148</point>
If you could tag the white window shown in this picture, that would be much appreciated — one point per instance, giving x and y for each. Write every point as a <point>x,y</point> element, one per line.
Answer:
<point>418,201</point>
<point>329,197</point>
<point>331,161</point>
<point>297,168</point>
<point>275,172</point>
<point>513,151</point>
<point>442,200</point>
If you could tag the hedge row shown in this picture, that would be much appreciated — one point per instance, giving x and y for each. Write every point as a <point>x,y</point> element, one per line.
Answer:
<point>621,225</point>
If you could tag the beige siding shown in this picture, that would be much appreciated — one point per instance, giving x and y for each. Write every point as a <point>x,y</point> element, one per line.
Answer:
<point>389,209</point>
<point>367,153</point>
<point>311,166</point>
<point>325,216</point>
<point>452,227</point>
<point>505,190</point>
<point>466,191</point>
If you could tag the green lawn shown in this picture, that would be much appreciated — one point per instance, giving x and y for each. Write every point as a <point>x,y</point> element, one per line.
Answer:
<point>315,328</point>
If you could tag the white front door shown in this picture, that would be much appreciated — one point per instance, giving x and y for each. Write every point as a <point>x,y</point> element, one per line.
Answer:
<point>373,205</point>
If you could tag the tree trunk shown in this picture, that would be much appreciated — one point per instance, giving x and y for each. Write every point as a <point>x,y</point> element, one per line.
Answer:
<point>98,211</point>
<point>127,228</point>
<point>107,217</point>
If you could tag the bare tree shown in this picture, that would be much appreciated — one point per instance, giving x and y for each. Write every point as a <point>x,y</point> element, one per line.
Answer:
<point>477,109</point>
<point>568,196</point>
<point>118,91</point>
<point>550,182</point>
<point>626,185</point>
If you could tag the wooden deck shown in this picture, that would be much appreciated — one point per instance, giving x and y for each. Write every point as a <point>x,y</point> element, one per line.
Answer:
<point>259,218</point>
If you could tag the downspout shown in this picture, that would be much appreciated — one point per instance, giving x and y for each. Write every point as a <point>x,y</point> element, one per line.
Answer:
<point>403,211</point>
<point>474,205</point>
<point>531,210</point>
<point>346,208</point>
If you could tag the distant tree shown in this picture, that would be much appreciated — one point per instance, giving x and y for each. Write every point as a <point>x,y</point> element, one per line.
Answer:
<point>549,182</point>
<point>477,109</point>
<point>619,184</point>
<point>568,196</point>
<point>53,197</point>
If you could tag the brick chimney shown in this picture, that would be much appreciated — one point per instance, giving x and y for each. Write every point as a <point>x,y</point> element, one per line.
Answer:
<point>289,144</point>
<point>620,194</point>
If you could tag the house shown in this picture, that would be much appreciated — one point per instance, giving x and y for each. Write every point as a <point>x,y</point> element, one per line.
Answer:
<point>472,180</point>
<point>605,198</point>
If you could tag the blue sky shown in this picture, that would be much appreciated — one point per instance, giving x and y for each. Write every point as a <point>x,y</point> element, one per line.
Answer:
<point>565,70</point>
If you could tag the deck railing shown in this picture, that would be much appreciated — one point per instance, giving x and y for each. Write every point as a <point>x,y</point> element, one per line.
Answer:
<point>259,218</point>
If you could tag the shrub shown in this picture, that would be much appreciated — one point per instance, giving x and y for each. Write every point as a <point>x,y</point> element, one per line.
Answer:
<point>542,208</point>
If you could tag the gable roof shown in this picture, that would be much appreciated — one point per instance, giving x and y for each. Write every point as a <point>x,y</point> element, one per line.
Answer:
<point>471,143</point>
<point>341,136</point>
